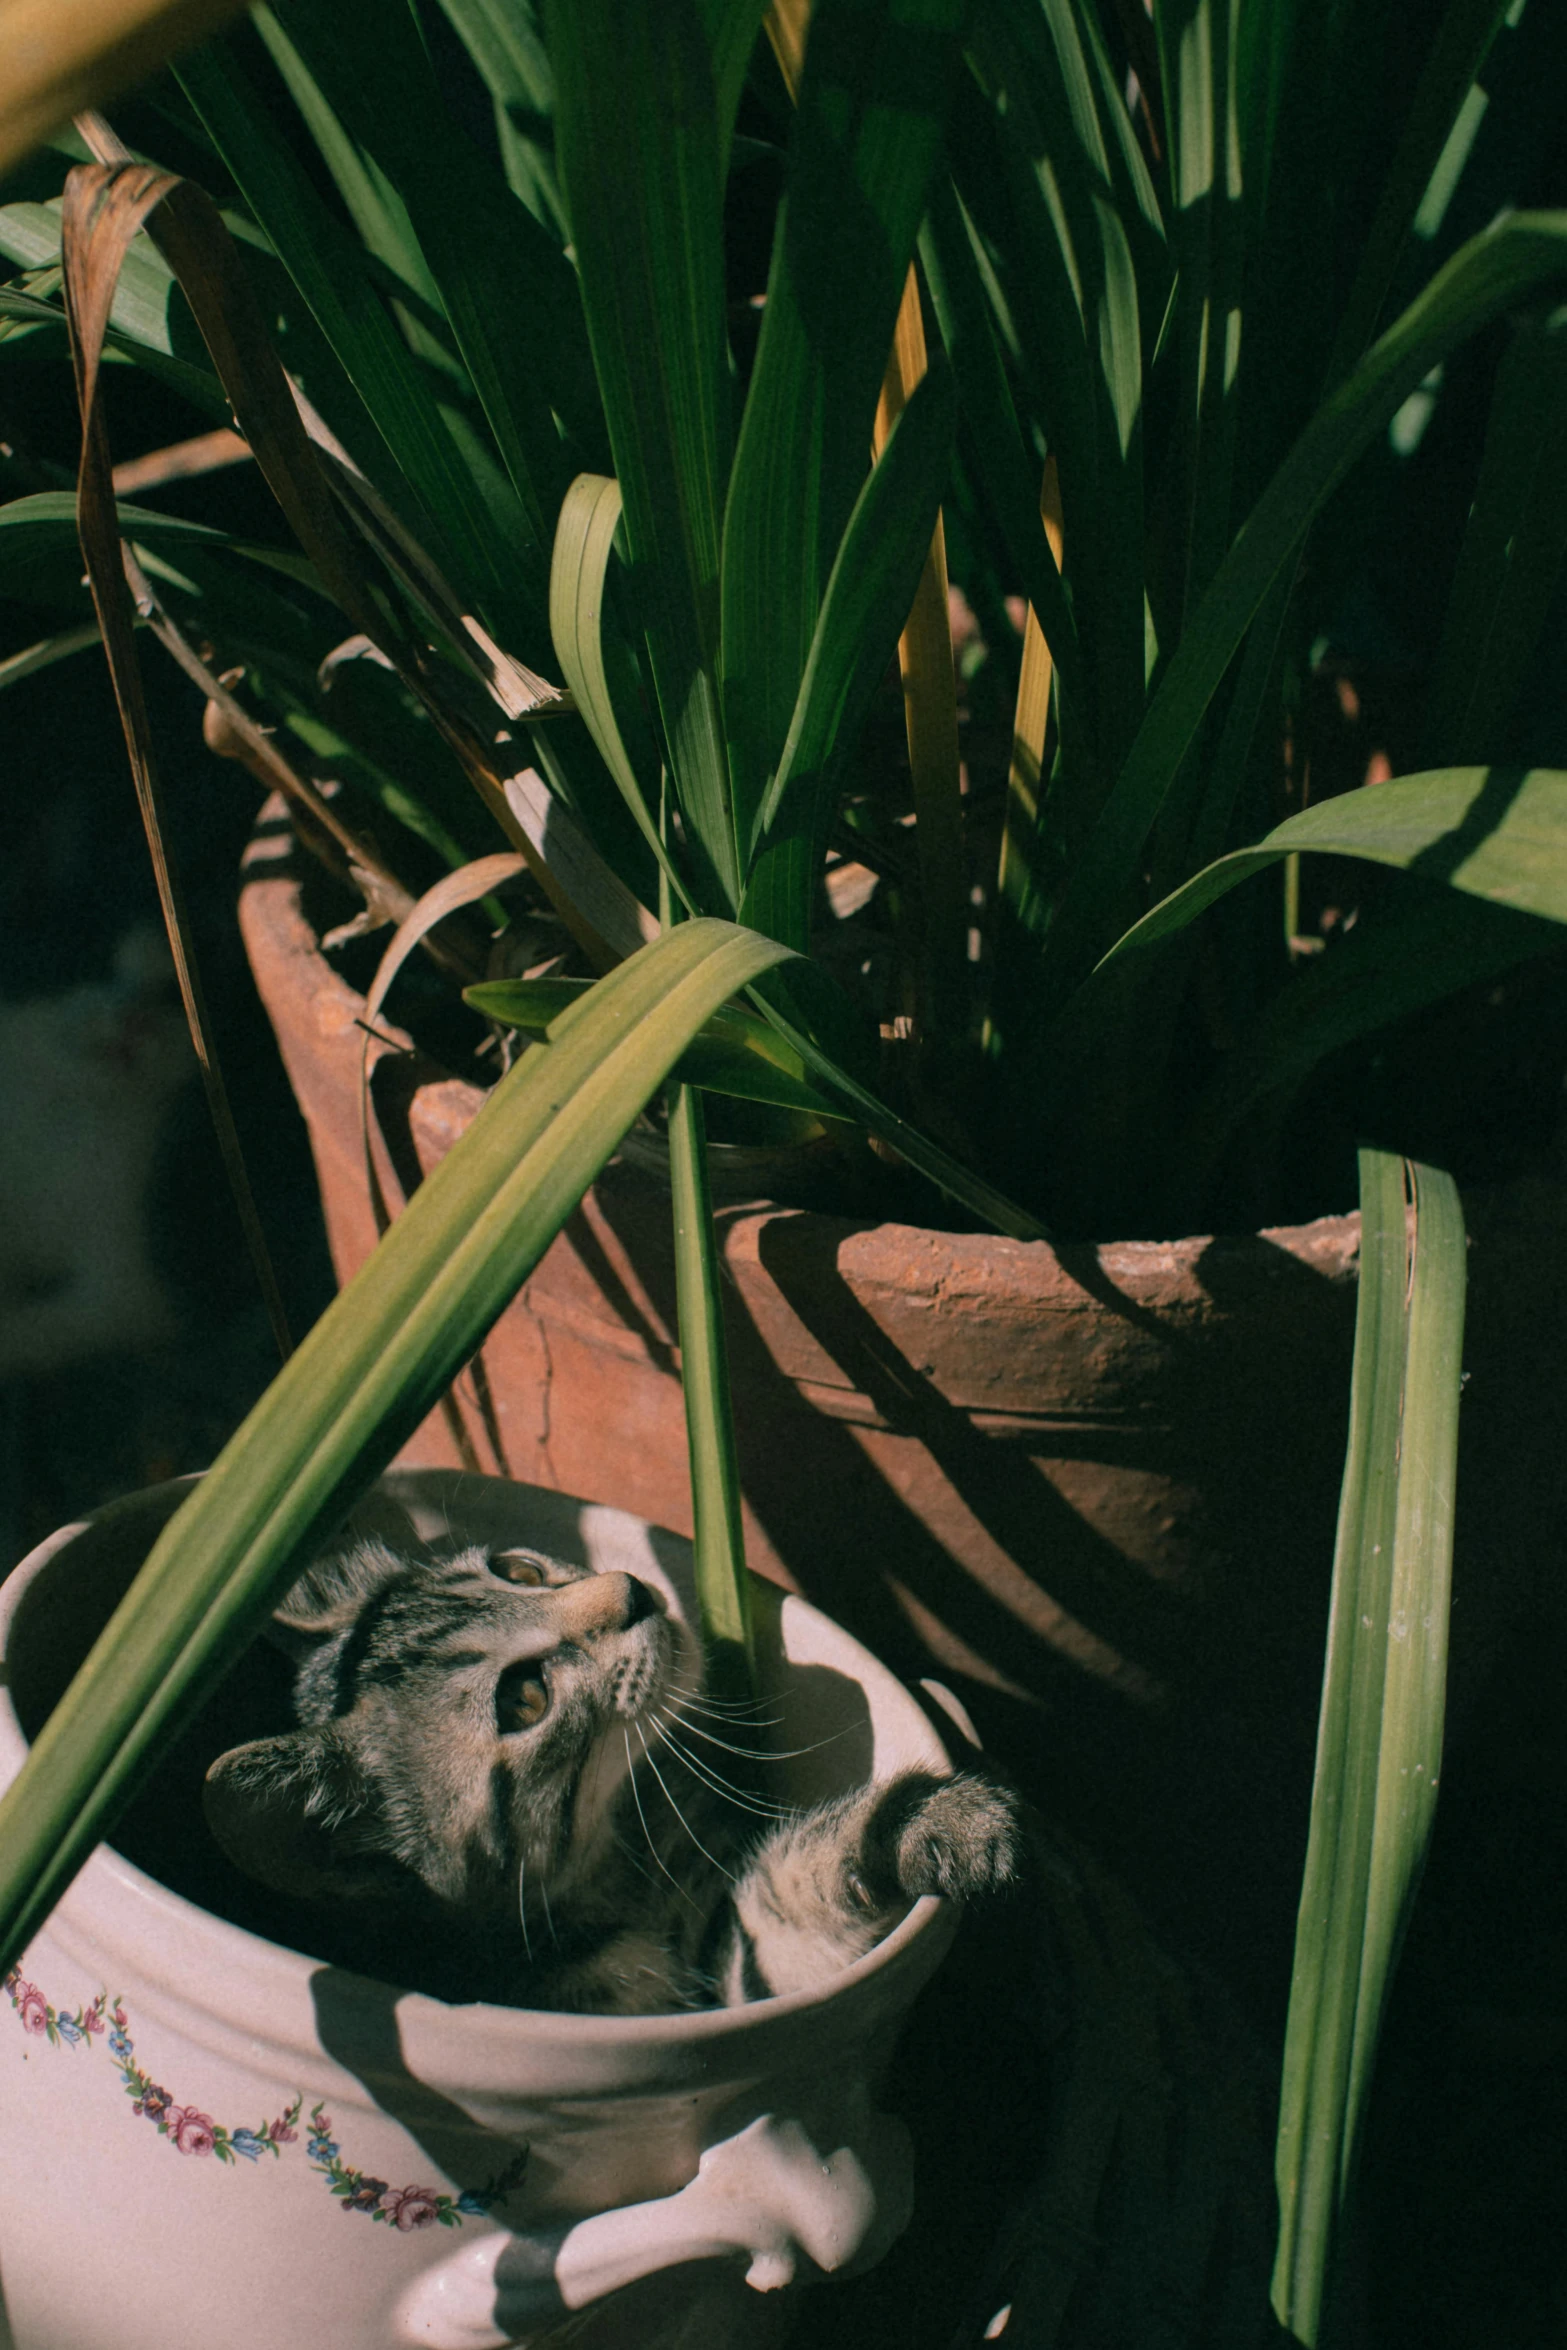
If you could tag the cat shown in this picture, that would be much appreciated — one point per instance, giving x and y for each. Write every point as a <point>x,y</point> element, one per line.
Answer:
<point>505,1765</point>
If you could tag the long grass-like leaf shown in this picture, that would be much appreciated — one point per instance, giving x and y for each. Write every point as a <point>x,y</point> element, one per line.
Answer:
<point>857,1101</point>
<point>1512,553</point>
<point>873,581</point>
<point>1411,955</point>
<point>1198,46</point>
<point>372,202</point>
<point>737,1052</point>
<point>878,79</point>
<point>504,40</point>
<point>930,720</point>
<point>1492,272</point>
<point>148,315</point>
<point>1465,33</point>
<point>1380,1738</point>
<point>723,1592</point>
<point>1030,724</point>
<point>505,284</point>
<point>1078,257</point>
<point>641,144</point>
<point>410,449</point>
<point>579,566</point>
<point>45,653</point>
<point>1494,832</point>
<point>38,537</point>
<point>359,1384</point>
<point>993,433</point>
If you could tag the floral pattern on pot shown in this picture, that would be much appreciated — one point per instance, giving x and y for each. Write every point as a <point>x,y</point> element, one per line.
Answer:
<point>404,2208</point>
<point>192,2132</point>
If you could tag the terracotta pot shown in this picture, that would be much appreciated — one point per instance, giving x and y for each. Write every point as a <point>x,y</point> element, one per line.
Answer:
<point>204,2135</point>
<point>1094,1486</point>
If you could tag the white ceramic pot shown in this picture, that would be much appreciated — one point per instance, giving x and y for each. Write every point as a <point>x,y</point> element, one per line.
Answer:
<point>207,2137</point>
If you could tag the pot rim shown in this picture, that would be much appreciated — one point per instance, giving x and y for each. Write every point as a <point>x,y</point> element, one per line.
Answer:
<point>275,925</point>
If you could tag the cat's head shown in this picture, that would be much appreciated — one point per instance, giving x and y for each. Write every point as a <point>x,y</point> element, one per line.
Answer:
<point>467,1723</point>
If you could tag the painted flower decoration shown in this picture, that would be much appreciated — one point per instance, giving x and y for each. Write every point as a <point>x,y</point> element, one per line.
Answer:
<point>411,2207</point>
<point>192,2132</point>
<point>365,2195</point>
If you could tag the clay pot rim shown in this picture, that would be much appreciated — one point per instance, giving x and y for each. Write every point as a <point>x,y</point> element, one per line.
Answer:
<point>271,902</point>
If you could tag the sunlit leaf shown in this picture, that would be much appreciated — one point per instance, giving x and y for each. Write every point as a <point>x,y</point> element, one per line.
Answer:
<point>1379,1743</point>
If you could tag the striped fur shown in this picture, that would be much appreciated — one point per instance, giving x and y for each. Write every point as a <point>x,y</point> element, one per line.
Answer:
<point>511,1762</point>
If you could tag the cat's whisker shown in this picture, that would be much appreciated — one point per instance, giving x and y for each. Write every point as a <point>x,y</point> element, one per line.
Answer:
<point>522,1906</point>
<point>758,1753</point>
<point>642,1816</point>
<point>728,1878</point>
<point>720,1786</point>
<point>549,1915</point>
<point>721,1709</point>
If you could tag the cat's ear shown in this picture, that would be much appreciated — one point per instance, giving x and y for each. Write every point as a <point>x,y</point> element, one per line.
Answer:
<point>333,1592</point>
<point>295,1812</point>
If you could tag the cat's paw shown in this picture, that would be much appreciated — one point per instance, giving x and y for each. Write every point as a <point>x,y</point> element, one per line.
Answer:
<point>959,1837</point>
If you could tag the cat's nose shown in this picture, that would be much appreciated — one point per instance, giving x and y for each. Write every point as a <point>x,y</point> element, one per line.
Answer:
<point>606,1603</point>
<point>640,1601</point>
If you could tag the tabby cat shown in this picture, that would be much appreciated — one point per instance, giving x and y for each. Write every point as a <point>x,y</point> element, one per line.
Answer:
<point>507,1764</point>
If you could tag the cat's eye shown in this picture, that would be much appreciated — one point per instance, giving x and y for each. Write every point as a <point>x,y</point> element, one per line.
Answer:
<point>517,1566</point>
<point>522,1699</point>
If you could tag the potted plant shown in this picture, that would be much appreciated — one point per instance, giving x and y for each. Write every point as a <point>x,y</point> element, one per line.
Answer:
<point>1071,249</point>
<point>722,657</point>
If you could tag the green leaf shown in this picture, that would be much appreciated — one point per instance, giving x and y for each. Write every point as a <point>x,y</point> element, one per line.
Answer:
<point>503,39</point>
<point>857,1101</point>
<point>38,541</point>
<point>866,604</point>
<point>1455,57</point>
<point>737,1052</point>
<point>1198,47</point>
<point>1495,832</point>
<point>878,81</point>
<point>404,441</point>
<point>1379,1743</point>
<point>584,545</point>
<point>1491,273</point>
<point>722,1586</point>
<point>994,438</point>
<point>507,288</point>
<point>641,138</point>
<point>46,652</point>
<point>149,321</point>
<point>372,202</point>
<point>359,1384</point>
<point>1408,955</point>
<point>1512,552</point>
<point>1074,253</point>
